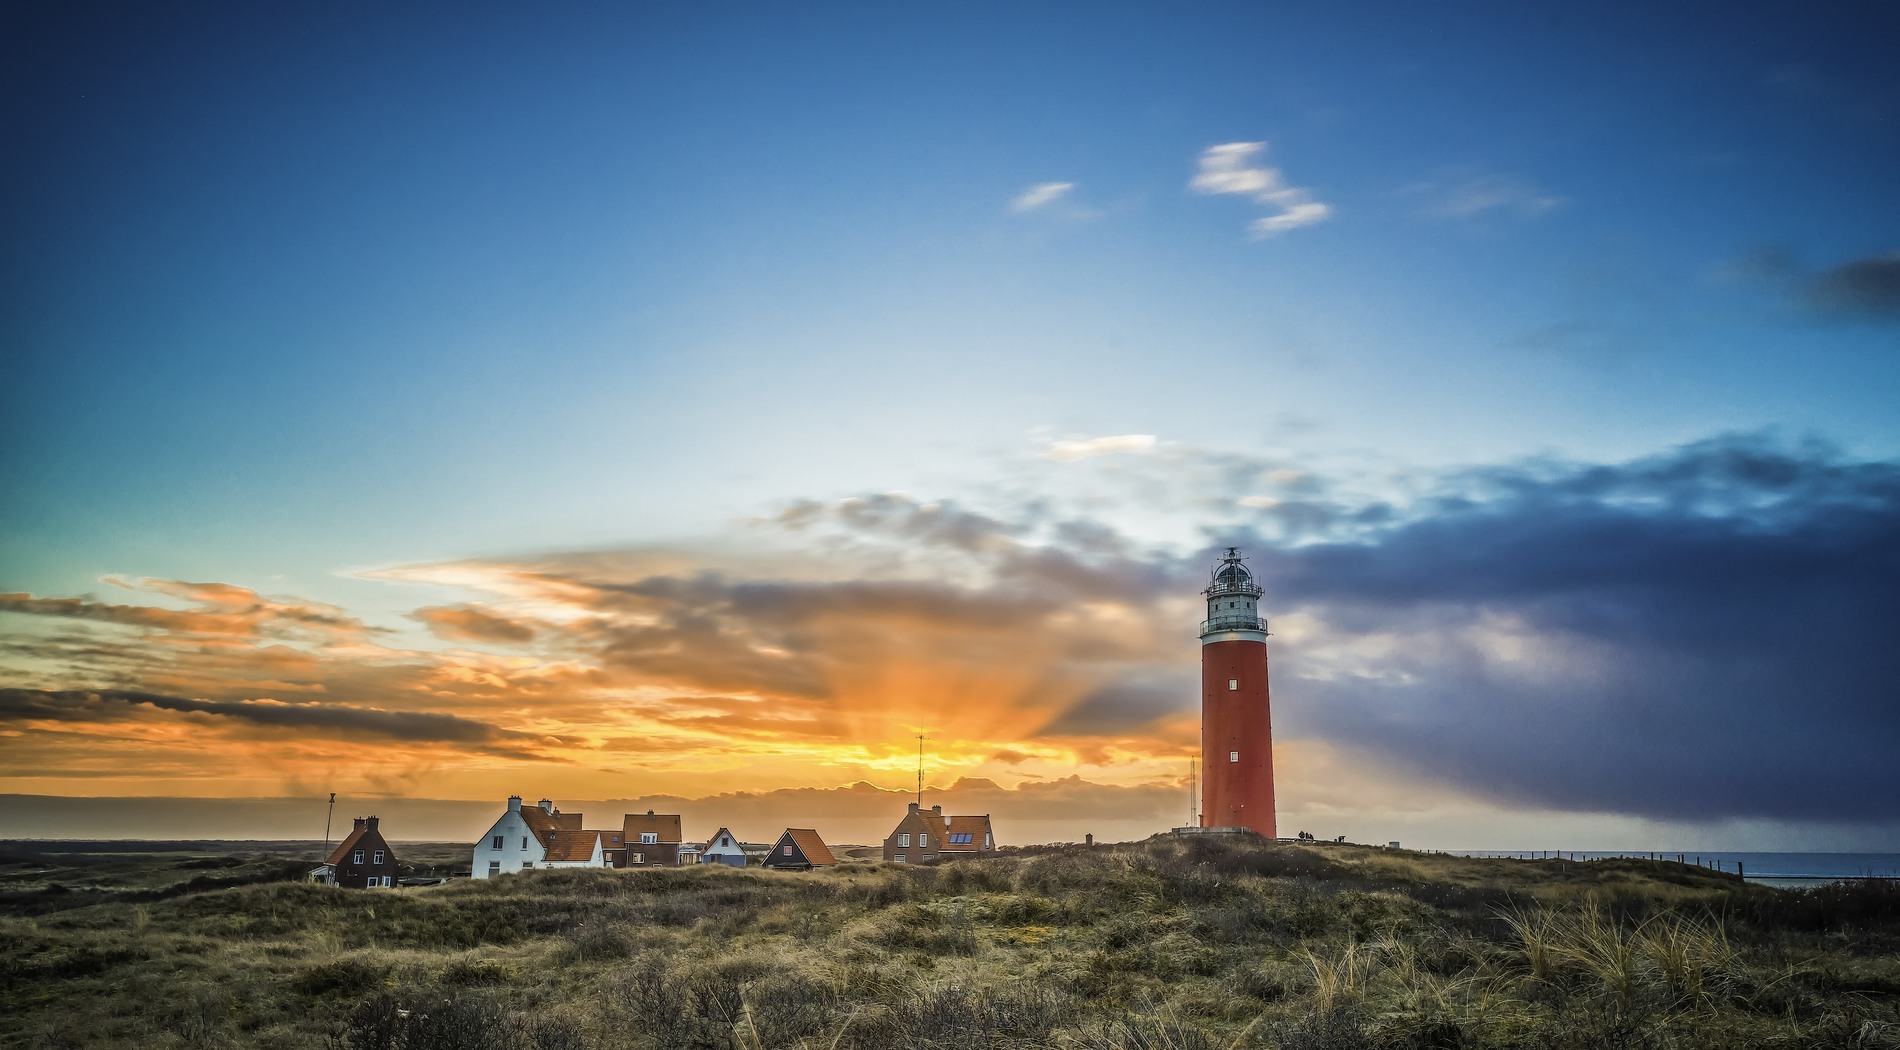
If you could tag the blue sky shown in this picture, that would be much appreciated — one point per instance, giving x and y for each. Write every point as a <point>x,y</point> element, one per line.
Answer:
<point>290,295</point>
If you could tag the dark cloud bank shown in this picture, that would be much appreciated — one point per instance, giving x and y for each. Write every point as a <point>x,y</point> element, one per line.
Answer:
<point>1726,615</point>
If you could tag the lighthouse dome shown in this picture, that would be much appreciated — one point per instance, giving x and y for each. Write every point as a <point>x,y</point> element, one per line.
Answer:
<point>1232,576</point>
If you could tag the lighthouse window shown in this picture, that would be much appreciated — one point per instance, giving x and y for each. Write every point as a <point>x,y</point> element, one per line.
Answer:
<point>1233,756</point>
<point>1233,684</point>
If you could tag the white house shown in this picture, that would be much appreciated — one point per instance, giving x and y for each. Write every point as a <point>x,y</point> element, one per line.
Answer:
<point>535,837</point>
<point>723,848</point>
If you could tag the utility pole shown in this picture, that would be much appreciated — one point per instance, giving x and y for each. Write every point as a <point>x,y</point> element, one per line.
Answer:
<point>920,771</point>
<point>326,826</point>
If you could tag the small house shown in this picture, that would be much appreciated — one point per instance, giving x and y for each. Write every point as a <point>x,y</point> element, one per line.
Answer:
<point>651,841</point>
<point>723,848</point>
<point>520,839</point>
<point>926,835</point>
<point>361,861</point>
<point>799,849</point>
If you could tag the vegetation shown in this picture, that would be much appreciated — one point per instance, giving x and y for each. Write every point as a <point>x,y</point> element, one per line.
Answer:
<point>1170,944</point>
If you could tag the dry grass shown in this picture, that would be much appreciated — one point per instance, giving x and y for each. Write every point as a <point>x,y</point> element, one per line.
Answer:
<point>1164,945</point>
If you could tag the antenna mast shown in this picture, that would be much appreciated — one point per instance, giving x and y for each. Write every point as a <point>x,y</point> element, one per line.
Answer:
<point>326,825</point>
<point>920,771</point>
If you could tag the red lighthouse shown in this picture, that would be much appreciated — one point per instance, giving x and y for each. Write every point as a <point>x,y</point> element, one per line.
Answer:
<point>1236,725</point>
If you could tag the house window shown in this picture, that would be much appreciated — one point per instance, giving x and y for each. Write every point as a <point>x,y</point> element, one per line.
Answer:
<point>788,849</point>
<point>526,864</point>
<point>385,882</point>
<point>903,841</point>
<point>899,859</point>
<point>923,840</point>
<point>494,867</point>
<point>987,844</point>
<point>497,843</point>
<point>1233,684</point>
<point>357,857</point>
<point>377,858</point>
<point>959,838</point>
<point>637,858</point>
<point>1233,756</point>
<point>524,842</point>
<point>649,837</point>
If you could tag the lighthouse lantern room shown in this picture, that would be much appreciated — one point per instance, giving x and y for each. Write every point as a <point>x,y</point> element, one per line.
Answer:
<point>1236,723</point>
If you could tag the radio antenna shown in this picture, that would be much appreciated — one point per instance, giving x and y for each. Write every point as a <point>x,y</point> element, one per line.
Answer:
<point>920,771</point>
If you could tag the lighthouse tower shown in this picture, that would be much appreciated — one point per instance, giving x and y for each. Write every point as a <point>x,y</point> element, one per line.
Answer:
<point>1236,726</point>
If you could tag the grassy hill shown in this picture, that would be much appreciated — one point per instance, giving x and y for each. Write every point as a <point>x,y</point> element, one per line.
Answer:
<point>1168,944</point>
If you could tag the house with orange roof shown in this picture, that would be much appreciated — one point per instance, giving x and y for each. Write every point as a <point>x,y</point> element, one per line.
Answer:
<point>525,836</point>
<point>799,849</point>
<point>926,835</point>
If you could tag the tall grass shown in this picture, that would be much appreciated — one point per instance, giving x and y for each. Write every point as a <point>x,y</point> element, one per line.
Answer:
<point>1164,945</point>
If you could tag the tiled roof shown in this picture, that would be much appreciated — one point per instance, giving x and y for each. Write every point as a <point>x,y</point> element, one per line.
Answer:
<point>349,843</point>
<point>572,844</point>
<point>811,846</point>
<point>664,825</point>
<point>538,822</point>
<point>975,827</point>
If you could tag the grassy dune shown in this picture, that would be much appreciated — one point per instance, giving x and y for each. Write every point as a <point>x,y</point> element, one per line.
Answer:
<point>1161,945</point>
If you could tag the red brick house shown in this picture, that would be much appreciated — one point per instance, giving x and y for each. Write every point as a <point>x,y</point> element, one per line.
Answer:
<point>362,860</point>
<point>800,849</point>
<point>926,835</point>
<point>650,841</point>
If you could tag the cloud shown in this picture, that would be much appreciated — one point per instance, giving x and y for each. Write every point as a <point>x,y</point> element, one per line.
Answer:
<point>1471,196</point>
<point>107,705</point>
<point>1864,288</point>
<point>1039,195</point>
<point>1230,169</point>
<point>1700,634</point>
<point>1068,451</point>
<point>466,623</point>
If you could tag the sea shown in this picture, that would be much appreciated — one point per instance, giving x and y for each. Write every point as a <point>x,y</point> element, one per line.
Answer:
<point>1769,869</point>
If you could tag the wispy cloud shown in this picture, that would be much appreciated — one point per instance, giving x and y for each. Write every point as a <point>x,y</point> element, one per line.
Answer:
<point>1470,196</point>
<point>1233,168</point>
<point>1082,448</point>
<point>1040,195</point>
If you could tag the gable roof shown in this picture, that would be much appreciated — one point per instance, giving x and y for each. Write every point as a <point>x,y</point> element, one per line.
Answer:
<point>362,836</point>
<point>811,846</point>
<point>572,844</point>
<point>975,827</point>
<point>664,825</point>
<point>544,824</point>
<point>349,843</point>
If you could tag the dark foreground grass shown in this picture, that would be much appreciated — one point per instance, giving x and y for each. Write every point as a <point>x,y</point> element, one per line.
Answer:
<point>1169,944</point>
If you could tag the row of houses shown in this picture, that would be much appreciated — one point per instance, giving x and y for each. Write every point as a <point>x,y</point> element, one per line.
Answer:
<point>525,838</point>
<point>541,836</point>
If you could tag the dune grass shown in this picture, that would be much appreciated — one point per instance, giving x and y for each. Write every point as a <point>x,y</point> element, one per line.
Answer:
<point>1169,944</point>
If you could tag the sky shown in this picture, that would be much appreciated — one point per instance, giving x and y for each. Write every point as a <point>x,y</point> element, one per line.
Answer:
<point>641,405</point>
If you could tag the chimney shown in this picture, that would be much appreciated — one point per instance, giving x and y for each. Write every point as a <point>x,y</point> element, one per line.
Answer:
<point>547,805</point>
<point>913,807</point>
<point>359,823</point>
<point>649,812</point>
<point>514,803</point>
<point>369,823</point>
<point>1088,840</point>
